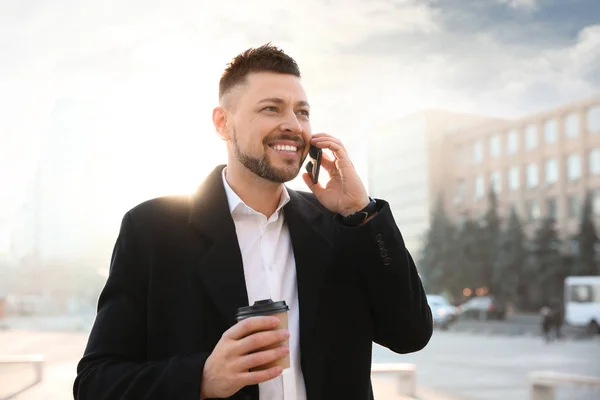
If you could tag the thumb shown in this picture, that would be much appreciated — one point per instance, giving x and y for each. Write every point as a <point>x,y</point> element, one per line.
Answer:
<point>316,188</point>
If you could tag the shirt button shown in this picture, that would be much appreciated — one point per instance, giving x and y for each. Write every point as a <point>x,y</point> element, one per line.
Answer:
<point>379,237</point>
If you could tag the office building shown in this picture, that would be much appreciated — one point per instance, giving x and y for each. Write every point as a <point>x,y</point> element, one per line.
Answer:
<point>405,163</point>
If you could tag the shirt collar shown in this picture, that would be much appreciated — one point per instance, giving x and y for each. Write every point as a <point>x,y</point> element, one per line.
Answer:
<point>237,205</point>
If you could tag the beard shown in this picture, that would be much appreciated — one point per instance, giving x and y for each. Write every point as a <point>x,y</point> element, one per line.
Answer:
<point>263,167</point>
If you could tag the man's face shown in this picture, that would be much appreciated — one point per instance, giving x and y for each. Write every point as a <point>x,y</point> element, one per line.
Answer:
<point>268,127</point>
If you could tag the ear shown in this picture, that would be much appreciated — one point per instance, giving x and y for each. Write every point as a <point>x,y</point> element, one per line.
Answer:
<point>219,118</point>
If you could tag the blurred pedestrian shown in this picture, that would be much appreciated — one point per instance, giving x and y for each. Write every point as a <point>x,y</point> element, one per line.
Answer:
<point>557,319</point>
<point>546,322</point>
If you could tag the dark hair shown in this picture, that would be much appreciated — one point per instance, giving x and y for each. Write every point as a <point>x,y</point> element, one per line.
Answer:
<point>266,58</point>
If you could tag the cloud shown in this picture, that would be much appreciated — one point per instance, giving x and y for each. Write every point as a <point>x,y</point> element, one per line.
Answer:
<point>157,62</point>
<point>520,4</point>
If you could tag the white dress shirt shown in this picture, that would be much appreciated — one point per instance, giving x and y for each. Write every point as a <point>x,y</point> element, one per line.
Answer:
<point>270,273</point>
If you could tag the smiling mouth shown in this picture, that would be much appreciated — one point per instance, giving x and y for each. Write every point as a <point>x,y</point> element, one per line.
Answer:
<point>284,148</point>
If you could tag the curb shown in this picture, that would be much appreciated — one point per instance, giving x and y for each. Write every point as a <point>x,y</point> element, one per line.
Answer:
<point>431,394</point>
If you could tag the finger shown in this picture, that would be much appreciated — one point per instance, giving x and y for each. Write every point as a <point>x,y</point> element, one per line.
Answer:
<point>337,149</point>
<point>259,340</point>
<point>256,377</point>
<point>321,135</point>
<point>329,165</point>
<point>333,166</point>
<point>251,325</point>
<point>314,187</point>
<point>257,359</point>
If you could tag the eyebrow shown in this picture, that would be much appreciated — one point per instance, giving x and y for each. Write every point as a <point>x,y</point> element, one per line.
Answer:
<point>277,100</point>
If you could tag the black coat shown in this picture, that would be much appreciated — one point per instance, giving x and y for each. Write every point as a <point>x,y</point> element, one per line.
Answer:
<point>176,279</point>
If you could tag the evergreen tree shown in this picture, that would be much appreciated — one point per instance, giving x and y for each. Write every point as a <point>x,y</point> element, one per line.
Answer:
<point>511,261</point>
<point>471,256</point>
<point>490,242</point>
<point>547,272</point>
<point>585,259</point>
<point>435,262</point>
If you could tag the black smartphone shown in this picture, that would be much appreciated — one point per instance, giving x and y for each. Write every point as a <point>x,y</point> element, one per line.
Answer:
<point>314,165</point>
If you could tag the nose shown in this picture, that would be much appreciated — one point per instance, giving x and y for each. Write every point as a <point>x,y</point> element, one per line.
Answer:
<point>291,124</point>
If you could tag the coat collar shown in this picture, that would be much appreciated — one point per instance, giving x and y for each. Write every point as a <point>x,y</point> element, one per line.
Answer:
<point>220,265</point>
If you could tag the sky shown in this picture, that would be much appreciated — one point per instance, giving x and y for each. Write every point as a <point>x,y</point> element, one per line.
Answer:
<point>135,82</point>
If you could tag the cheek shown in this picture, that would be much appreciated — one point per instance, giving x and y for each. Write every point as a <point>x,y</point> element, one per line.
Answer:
<point>251,141</point>
<point>307,134</point>
<point>306,128</point>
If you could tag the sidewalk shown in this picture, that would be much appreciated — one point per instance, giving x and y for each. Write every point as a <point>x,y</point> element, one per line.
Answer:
<point>63,350</point>
<point>58,381</point>
<point>385,388</point>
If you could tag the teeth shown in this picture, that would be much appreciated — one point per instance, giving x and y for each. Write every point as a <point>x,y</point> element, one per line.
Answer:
<point>280,147</point>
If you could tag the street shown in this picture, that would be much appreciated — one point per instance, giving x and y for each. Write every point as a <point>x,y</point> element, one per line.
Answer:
<point>478,367</point>
<point>462,366</point>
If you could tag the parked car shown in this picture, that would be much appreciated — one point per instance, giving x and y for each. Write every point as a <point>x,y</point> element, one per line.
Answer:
<point>483,308</point>
<point>442,311</point>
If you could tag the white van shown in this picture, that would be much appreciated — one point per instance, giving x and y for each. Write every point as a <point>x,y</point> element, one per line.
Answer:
<point>582,302</point>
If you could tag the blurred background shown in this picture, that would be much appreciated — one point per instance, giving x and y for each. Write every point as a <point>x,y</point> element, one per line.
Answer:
<point>478,120</point>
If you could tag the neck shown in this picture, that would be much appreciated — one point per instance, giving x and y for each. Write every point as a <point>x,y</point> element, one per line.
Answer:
<point>258,193</point>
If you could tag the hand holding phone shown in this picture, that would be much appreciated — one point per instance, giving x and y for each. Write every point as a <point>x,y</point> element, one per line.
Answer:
<point>313,167</point>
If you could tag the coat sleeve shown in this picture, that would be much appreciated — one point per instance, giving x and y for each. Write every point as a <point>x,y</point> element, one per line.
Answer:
<point>114,364</point>
<point>402,318</point>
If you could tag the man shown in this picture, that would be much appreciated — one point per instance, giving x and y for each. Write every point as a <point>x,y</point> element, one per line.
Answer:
<point>181,267</point>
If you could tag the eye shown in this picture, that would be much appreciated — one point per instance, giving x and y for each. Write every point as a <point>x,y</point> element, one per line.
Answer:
<point>306,113</point>
<point>270,108</point>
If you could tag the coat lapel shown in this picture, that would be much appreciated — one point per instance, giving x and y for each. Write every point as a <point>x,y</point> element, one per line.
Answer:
<point>220,265</point>
<point>310,231</point>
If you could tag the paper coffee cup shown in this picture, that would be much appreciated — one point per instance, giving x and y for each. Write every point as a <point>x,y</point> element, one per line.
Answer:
<point>269,307</point>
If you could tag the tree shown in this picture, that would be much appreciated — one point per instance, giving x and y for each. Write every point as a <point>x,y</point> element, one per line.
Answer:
<point>585,259</point>
<point>547,270</point>
<point>435,259</point>
<point>471,256</point>
<point>511,261</point>
<point>490,242</point>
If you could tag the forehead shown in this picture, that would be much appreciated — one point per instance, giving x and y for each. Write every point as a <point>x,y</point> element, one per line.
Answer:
<point>273,85</point>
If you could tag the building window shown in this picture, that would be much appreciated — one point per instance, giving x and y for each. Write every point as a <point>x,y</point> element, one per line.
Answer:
<point>594,160</point>
<point>573,202</point>
<point>460,191</point>
<point>477,152</point>
<point>458,155</point>
<point>552,208</point>
<point>532,175</point>
<point>495,181</point>
<point>513,178</point>
<point>512,144</point>
<point>596,203</point>
<point>495,146</point>
<point>479,187</point>
<point>531,137</point>
<point>572,125</point>
<point>593,119</point>
<point>573,167</point>
<point>551,171</point>
<point>550,131</point>
<point>533,210</point>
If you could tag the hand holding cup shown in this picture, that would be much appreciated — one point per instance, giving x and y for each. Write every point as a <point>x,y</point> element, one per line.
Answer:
<point>248,353</point>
